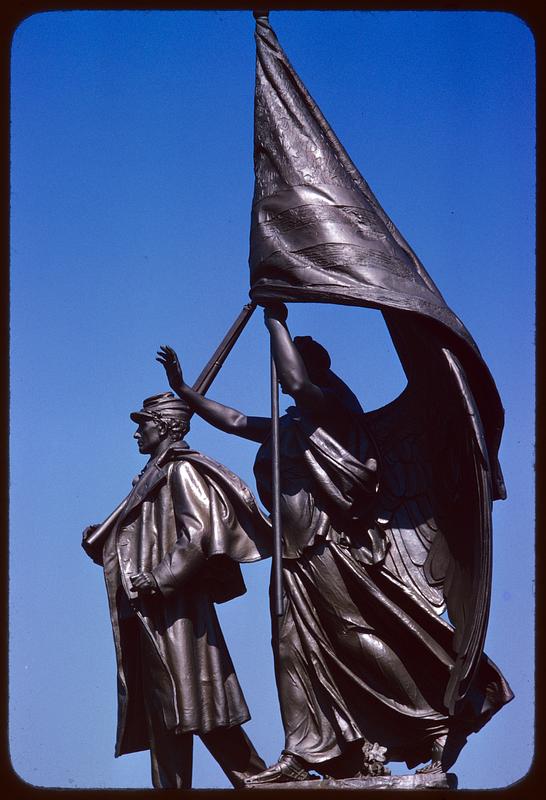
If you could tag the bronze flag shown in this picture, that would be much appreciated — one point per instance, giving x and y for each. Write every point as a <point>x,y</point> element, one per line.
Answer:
<point>318,233</point>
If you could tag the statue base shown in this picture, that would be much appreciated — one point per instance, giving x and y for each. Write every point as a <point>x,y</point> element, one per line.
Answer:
<point>434,780</point>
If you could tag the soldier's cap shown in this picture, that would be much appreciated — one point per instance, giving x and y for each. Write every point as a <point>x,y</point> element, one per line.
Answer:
<point>165,406</point>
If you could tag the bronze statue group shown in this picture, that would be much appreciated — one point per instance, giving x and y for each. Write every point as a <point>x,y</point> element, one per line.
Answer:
<point>361,659</point>
<point>385,515</point>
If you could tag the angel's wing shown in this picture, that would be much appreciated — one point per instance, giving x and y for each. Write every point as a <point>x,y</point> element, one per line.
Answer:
<point>434,498</point>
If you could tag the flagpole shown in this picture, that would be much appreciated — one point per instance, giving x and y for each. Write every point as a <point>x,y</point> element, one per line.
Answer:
<point>215,363</point>
<point>276,493</point>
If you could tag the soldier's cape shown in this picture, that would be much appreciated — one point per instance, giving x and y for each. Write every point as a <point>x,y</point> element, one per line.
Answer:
<point>318,234</point>
<point>237,530</point>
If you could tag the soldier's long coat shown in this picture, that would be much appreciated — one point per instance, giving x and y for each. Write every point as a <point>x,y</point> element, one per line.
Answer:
<point>189,523</point>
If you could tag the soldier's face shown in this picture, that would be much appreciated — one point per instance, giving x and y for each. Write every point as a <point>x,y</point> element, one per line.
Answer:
<point>148,436</point>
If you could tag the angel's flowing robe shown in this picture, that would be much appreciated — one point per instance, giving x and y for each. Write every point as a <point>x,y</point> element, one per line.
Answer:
<point>359,656</point>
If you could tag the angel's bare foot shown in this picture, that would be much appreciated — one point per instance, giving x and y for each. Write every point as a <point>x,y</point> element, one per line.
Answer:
<point>436,754</point>
<point>430,769</point>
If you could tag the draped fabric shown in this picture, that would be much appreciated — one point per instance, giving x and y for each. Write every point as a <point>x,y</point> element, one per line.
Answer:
<point>358,655</point>
<point>356,661</point>
<point>189,523</point>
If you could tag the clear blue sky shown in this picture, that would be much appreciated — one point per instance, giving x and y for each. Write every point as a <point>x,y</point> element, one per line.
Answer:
<point>131,189</point>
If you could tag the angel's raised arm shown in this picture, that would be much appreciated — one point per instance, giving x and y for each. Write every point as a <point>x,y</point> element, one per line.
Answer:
<point>222,417</point>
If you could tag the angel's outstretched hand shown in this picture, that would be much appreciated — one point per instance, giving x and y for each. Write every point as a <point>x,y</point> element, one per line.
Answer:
<point>168,358</point>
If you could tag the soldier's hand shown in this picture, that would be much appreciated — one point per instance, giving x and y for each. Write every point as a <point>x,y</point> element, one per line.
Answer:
<point>87,532</point>
<point>144,583</point>
<point>168,358</point>
<point>93,551</point>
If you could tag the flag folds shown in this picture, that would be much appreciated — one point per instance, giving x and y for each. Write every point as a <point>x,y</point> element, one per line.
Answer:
<point>318,234</point>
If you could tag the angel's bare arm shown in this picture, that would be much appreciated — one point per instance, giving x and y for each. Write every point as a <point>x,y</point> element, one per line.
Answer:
<point>291,369</point>
<point>223,417</point>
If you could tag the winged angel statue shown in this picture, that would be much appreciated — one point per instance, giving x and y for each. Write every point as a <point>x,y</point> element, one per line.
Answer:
<point>386,514</point>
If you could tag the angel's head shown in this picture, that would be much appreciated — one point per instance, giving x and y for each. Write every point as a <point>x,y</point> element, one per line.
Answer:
<point>317,363</point>
<point>315,357</point>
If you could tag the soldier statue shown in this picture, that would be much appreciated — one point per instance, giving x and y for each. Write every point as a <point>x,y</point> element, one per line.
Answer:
<point>171,551</point>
